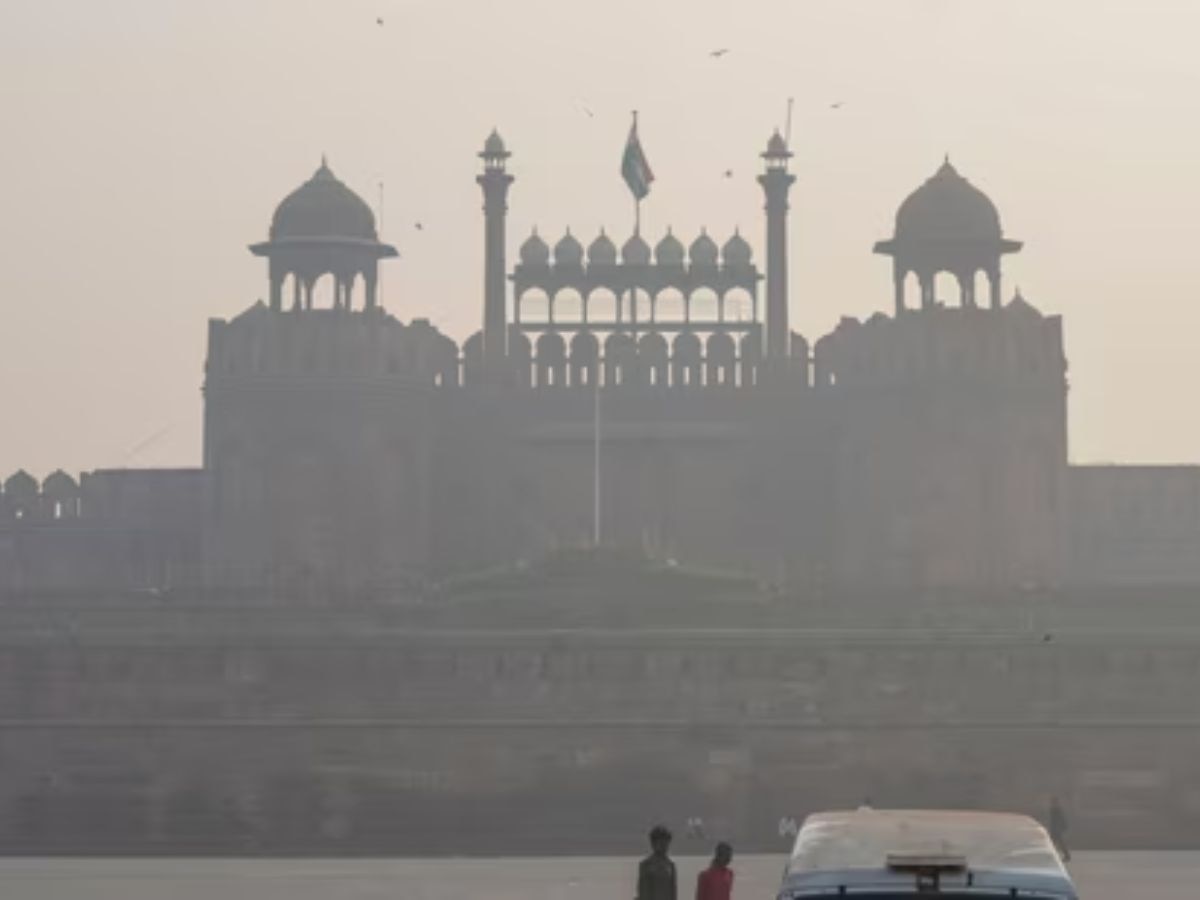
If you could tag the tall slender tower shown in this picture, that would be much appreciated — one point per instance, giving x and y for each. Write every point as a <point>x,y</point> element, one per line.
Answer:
<point>776,182</point>
<point>495,181</point>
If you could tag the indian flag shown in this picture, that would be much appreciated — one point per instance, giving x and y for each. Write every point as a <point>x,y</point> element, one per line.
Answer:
<point>634,167</point>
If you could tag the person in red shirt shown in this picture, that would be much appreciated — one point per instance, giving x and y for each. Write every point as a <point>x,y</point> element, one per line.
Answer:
<point>716,882</point>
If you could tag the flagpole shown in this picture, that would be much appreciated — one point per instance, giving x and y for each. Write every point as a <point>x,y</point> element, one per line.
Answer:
<point>637,200</point>
<point>637,230</point>
<point>596,459</point>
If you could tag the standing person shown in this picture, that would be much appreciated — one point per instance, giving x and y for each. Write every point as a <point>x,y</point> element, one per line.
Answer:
<point>1058,829</point>
<point>716,882</point>
<point>656,873</point>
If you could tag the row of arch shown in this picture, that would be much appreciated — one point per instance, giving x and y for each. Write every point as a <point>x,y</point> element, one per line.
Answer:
<point>57,497</point>
<point>296,291</point>
<point>669,304</point>
<point>688,360</point>
<point>934,287</point>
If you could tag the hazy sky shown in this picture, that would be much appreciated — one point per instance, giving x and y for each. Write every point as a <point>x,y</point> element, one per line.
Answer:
<point>146,143</point>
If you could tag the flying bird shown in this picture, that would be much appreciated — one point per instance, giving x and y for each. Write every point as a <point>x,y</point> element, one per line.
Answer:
<point>837,105</point>
<point>379,20</point>
<point>419,226</point>
<point>729,173</point>
<point>717,54</point>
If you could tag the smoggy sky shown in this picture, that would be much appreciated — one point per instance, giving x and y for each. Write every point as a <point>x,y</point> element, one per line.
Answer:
<point>146,143</point>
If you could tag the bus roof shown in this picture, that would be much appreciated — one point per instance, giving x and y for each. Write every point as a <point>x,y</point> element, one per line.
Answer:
<point>985,852</point>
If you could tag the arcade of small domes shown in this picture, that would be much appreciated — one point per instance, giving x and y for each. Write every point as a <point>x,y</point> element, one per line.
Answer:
<point>669,315</point>
<point>726,275</point>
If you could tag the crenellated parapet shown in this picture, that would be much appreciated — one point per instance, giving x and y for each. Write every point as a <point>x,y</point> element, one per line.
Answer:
<point>1012,345</point>
<point>653,359</point>
<point>343,347</point>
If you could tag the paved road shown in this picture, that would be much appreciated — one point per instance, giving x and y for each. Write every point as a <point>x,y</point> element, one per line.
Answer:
<point>1101,876</point>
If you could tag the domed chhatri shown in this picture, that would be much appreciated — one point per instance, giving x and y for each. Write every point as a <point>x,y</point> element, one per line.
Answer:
<point>59,482</point>
<point>703,252</point>
<point>602,251</point>
<point>535,251</point>
<point>323,228</point>
<point>323,207</point>
<point>636,252</point>
<point>568,251</point>
<point>21,489</point>
<point>736,251</point>
<point>669,251</point>
<point>947,225</point>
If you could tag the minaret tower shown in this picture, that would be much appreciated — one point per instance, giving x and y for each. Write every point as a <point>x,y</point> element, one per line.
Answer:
<point>776,182</point>
<point>495,181</point>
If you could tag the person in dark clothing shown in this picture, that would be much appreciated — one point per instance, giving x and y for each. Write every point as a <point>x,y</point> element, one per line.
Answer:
<point>656,873</point>
<point>716,882</point>
<point>1058,829</point>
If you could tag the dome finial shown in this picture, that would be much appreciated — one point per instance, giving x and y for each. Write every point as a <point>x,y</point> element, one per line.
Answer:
<point>778,150</point>
<point>494,149</point>
<point>323,173</point>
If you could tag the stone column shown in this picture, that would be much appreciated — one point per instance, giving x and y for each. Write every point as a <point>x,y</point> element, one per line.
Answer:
<point>495,182</point>
<point>927,288</point>
<point>966,289</point>
<point>776,183</point>
<point>276,277</point>
<point>371,283</point>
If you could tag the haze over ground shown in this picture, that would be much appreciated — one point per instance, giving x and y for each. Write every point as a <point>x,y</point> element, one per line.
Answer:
<point>147,143</point>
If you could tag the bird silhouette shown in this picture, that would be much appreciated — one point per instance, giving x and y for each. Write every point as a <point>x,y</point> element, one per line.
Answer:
<point>419,226</point>
<point>729,173</point>
<point>717,54</point>
<point>837,105</point>
<point>379,20</point>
